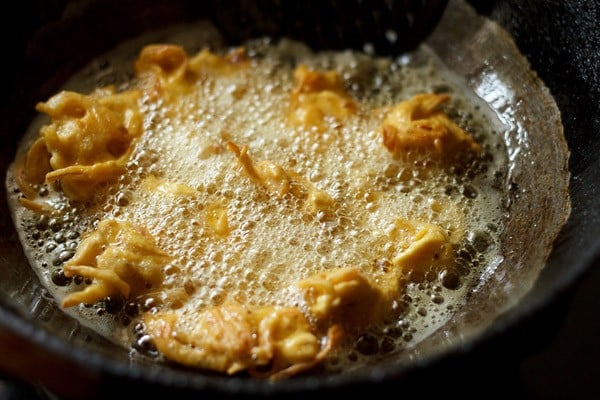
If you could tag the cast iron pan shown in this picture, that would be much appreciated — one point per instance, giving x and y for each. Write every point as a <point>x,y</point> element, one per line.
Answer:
<point>51,40</point>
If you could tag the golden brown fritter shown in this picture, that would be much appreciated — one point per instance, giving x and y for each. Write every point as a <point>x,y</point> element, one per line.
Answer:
<point>267,341</point>
<point>319,98</point>
<point>418,124</point>
<point>120,258</point>
<point>88,141</point>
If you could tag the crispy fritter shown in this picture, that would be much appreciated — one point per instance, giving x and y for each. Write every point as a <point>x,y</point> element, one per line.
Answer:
<point>88,141</point>
<point>317,98</point>
<point>120,258</point>
<point>418,124</point>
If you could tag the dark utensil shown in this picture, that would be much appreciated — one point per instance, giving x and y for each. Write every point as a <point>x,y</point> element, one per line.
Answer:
<point>74,362</point>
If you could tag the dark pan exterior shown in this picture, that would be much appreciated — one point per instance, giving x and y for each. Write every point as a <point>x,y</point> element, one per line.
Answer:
<point>46,41</point>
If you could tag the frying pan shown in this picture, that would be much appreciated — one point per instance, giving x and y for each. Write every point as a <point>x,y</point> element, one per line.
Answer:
<point>560,41</point>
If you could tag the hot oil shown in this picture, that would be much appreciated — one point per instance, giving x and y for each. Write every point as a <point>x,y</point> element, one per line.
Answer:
<point>274,242</point>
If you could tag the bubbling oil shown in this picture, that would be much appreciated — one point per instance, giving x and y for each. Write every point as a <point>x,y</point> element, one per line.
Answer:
<point>273,242</point>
